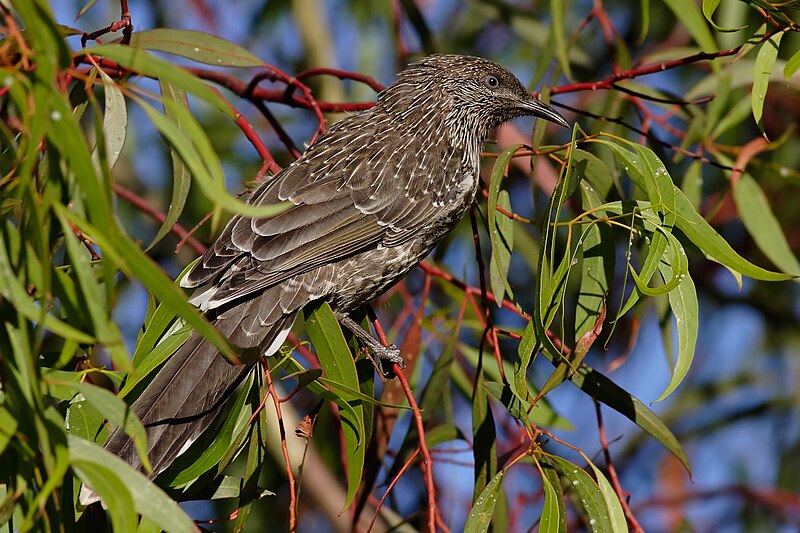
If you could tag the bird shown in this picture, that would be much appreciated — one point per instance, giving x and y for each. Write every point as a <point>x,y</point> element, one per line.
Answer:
<point>368,201</point>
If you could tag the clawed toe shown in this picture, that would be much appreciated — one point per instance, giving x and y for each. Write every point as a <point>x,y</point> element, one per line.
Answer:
<point>391,354</point>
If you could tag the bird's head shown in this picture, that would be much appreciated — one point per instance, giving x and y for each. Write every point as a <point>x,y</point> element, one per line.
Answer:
<point>472,94</point>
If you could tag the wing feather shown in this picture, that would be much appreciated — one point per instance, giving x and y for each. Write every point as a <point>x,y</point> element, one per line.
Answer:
<point>342,207</point>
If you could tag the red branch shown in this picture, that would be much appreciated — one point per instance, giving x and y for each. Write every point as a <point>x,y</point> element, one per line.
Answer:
<point>146,207</point>
<point>612,472</point>
<point>342,75</point>
<point>391,486</point>
<point>285,450</point>
<point>427,462</point>
<point>610,81</point>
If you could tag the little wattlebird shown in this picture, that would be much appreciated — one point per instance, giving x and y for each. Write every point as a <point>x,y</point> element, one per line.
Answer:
<point>371,199</point>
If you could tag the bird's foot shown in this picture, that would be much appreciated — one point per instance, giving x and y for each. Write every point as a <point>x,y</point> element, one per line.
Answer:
<point>391,354</point>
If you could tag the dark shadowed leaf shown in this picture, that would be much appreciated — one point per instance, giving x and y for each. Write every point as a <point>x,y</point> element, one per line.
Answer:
<point>604,390</point>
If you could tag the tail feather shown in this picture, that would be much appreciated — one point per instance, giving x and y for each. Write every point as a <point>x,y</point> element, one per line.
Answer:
<point>179,404</point>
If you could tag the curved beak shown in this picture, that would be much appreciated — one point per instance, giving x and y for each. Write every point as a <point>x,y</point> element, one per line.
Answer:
<point>537,108</point>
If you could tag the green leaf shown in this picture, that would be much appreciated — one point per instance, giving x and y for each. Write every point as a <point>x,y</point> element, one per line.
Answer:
<point>597,273</point>
<point>210,454</point>
<point>606,391</point>
<point>689,14</point>
<point>438,380</point>
<point>592,498</point>
<point>762,71</point>
<point>92,298</point>
<point>112,490</point>
<point>709,6</point>
<point>554,512</point>
<point>153,359</point>
<point>761,223</point>
<point>616,514</point>
<point>181,176</point>
<point>711,243</point>
<point>256,454</point>
<point>692,185</point>
<point>84,420</point>
<point>156,325</point>
<point>197,46</point>
<point>130,259</point>
<point>8,426</point>
<point>480,516</point>
<point>140,61</point>
<point>683,301</point>
<point>502,243</point>
<point>87,6</point>
<point>558,11</point>
<point>224,487</point>
<point>501,228</point>
<point>116,412</point>
<point>645,20</point>
<point>12,290</point>
<point>148,500</point>
<point>791,66</point>
<point>193,145</point>
<point>115,120</point>
<point>337,362</point>
<point>66,135</point>
<point>542,413</point>
<point>515,406</point>
<point>675,256</point>
<point>484,437</point>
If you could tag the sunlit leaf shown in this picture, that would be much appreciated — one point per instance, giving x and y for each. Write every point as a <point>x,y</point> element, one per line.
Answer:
<point>181,176</point>
<point>149,501</point>
<point>791,66</point>
<point>196,45</point>
<point>709,6</point>
<point>591,497</point>
<point>117,412</point>
<point>761,223</point>
<point>688,12</point>
<point>683,301</point>
<point>115,120</point>
<point>762,71</point>
<point>501,228</point>
<point>554,511</point>
<point>337,362</point>
<point>480,516</point>
<point>112,490</point>
<point>558,11</point>
<point>615,513</point>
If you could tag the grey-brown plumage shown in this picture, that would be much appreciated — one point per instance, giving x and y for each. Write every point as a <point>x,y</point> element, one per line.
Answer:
<point>371,200</point>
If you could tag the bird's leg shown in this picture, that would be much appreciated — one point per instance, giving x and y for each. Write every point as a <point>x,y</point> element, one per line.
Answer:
<point>388,353</point>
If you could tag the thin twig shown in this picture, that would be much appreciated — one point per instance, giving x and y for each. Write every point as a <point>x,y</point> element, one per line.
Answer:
<point>427,462</point>
<point>612,472</point>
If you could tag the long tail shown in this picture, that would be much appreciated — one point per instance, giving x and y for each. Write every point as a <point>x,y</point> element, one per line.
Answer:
<point>179,404</point>
<point>183,400</point>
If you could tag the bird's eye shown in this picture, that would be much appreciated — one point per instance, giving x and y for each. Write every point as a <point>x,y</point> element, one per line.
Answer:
<point>492,82</point>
